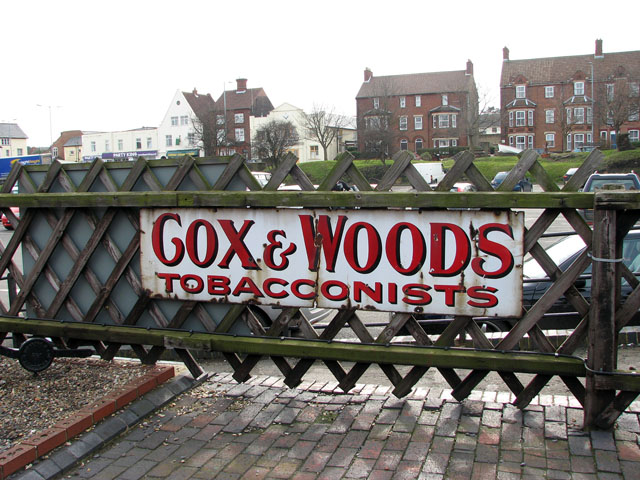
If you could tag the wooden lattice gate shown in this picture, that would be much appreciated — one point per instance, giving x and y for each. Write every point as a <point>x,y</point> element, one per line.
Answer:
<point>79,276</point>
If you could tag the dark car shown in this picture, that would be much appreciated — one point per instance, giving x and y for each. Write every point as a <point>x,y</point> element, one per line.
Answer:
<point>523,185</point>
<point>597,181</point>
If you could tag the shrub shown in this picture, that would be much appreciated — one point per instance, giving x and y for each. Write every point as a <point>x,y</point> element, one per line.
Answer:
<point>623,142</point>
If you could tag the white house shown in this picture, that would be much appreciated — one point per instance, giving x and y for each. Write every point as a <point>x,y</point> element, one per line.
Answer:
<point>122,145</point>
<point>307,149</point>
<point>13,141</point>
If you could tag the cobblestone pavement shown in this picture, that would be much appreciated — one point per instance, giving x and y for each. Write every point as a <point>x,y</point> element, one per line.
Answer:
<point>262,429</point>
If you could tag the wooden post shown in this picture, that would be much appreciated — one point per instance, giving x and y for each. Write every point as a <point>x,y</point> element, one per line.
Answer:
<point>601,353</point>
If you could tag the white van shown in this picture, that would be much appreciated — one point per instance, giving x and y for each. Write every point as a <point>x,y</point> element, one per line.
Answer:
<point>432,172</point>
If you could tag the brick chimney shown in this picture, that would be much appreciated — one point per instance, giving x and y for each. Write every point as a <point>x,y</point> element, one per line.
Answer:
<point>469,68</point>
<point>505,54</point>
<point>599,53</point>
<point>368,75</point>
<point>241,85</point>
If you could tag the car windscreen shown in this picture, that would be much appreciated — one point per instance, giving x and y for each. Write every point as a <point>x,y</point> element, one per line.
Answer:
<point>559,252</point>
<point>629,184</point>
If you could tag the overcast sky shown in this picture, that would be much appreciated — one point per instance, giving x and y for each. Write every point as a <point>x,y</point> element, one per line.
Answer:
<point>115,65</point>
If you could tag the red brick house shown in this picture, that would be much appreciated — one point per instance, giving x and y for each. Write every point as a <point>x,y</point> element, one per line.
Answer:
<point>416,111</point>
<point>567,103</point>
<point>238,106</point>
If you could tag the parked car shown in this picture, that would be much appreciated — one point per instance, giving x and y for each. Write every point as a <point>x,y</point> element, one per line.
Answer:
<point>630,181</point>
<point>464,187</point>
<point>523,185</point>
<point>262,177</point>
<point>567,176</point>
<point>5,221</point>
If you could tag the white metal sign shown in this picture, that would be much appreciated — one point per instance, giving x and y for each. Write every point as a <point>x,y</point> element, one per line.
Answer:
<point>443,262</point>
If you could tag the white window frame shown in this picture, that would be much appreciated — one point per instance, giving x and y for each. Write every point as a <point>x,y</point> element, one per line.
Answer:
<point>184,119</point>
<point>520,118</point>
<point>174,121</point>
<point>578,88</point>
<point>521,91</point>
<point>634,135</point>
<point>418,101</point>
<point>419,140</point>
<point>568,110</point>
<point>93,146</point>
<point>417,122</point>
<point>589,115</point>
<point>454,142</point>
<point>530,118</point>
<point>578,140</point>
<point>239,134</point>
<point>578,115</point>
<point>454,121</point>
<point>107,146</point>
<point>568,141</point>
<point>238,118</point>
<point>168,140</point>
<point>376,102</point>
<point>120,145</point>
<point>511,119</point>
<point>550,139</point>
<point>404,144</point>
<point>445,99</point>
<point>139,143</point>
<point>403,102</point>
<point>550,116</point>
<point>634,89</point>
<point>530,141</point>
<point>314,151</point>
<point>611,91</point>
<point>521,141</point>
<point>149,142</point>
<point>404,122</point>
<point>443,121</point>
<point>589,138</point>
<point>549,92</point>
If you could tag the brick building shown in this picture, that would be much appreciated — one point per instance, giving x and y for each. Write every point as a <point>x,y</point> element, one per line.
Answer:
<point>416,111</point>
<point>570,103</point>
<point>237,106</point>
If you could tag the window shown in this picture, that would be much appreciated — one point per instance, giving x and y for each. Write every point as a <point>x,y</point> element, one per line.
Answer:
<point>191,138</point>
<point>589,138</point>
<point>54,152</point>
<point>453,121</point>
<point>184,120</point>
<point>520,118</point>
<point>511,141</point>
<point>530,141</point>
<point>634,89</point>
<point>239,134</point>
<point>578,88</point>
<point>107,147</point>
<point>149,142</point>
<point>419,143</point>
<point>589,115</point>
<point>578,140</point>
<point>443,121</point>
<point>603,135</point>
<point>417,122</point>
<point>454,142</point>
<point>376,103</point>
<point>5,141</point>
<point>633,113</point>
<point>403,123</point>
<point>530,118</point>
<point>314,151</point>
<point>174,121</point>
<point>550,138</point>
<point>445,99</point>
<point>220,119</point>
<point>20,151</point>
<point>511,119</point>
<point>634,135</point>
<point>168,140</point>
<point>441,143</point>
<point>568,115</point>
<point>138,144</point>
<point>578,115</point>
<point>521,142</point>
<point>521,91</point>
<point>569,142</point>
<point>93,146</point>
<point>548,92</point>
<point>120,145</point>
<point>419,100</point>
<point>403,102</point>
<point>238,118</point>
<point>404,145</point>
<point>610,92</point>
<point>550,116</point>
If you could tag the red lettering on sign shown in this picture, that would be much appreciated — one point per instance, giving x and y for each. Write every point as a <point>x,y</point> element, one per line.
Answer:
<point>157,236</point>
<point>246,285</point>
<point>449,293</point>
<point>211,242</point>
<point>327,239</point>
<point>217,285</point>
<point>374,294</point>
<point>438,250</point>
<point>417,248</point>
<point>295,289</point>
<point>269,251</point>
<point>343,293</point>
<point>482,293</point>
<point>237,247</point>
<point>187,286</point>
<point>277,281</point>
<point>374,247</point>
<point>168,280</point>
<point>416,294</point>
<point>494,249</point>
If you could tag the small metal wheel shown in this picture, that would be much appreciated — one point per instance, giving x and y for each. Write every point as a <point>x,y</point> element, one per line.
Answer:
<point>36,354</point>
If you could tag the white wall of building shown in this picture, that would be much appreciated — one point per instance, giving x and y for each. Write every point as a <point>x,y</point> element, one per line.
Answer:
<point>121,145</point>
<point>174,130</point>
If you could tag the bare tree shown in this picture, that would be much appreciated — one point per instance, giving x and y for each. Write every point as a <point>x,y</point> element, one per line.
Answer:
<point>616,102</point>
<point>323,125</point>
<point>480,115</point>
<point>375,125</point>
<point>209,132</point>
<point>273,139</point>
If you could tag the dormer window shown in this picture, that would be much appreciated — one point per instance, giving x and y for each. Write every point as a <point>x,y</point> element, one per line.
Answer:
<point>445,99</point>
<point>376,103</point>
<point>578,88</point>
<point>403,102</point>
<point>521,91</point>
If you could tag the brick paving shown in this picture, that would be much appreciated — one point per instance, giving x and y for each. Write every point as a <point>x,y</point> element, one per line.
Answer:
<point>264,430</point>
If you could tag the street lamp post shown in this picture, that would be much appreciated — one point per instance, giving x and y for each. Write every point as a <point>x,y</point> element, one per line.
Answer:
<point>50,123</point>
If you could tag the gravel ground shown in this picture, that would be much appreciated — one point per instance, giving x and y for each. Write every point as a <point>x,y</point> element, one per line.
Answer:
<point>31,403</point>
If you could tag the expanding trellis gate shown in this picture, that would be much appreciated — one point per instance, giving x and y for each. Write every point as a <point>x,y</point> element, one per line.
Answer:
<point>79,275</point>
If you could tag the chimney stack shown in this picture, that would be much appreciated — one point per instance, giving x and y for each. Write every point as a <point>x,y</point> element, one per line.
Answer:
<point>599,53</point>
<point>241,85</point>
<point>469,68</point>
<point>368,75</point>
<point>505,54</point>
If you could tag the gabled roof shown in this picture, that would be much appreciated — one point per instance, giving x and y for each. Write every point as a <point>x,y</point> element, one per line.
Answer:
<point>254,99</point>
<point>416,84</point>
<point>11,130</point>
<point>560,69</point>
<point>74,142</point>
<point>202,105</point>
